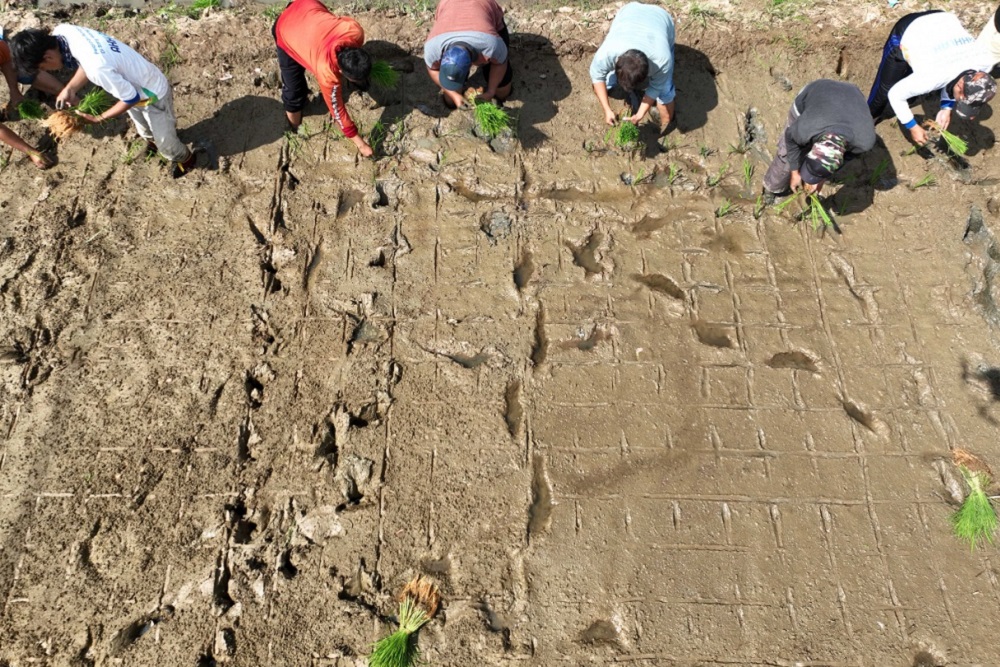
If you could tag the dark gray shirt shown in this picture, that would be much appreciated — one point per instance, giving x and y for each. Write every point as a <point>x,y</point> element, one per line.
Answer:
<point>829,106</point>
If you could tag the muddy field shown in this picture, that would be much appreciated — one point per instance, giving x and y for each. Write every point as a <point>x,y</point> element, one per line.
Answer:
<point>240,409</point>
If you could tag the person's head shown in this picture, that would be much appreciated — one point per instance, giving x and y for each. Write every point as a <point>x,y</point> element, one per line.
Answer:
<point>456,63</point>
<point>824,158</point>
<point>632,70</point>
<point>971,91</point>
<point>355,64</point>
<point>35,49</point>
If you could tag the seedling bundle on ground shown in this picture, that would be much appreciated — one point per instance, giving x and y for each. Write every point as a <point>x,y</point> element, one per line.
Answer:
<point>955,144</point>
<point>624,135</point>
<point>975,521</point>
<point>418,603</point>
<point>490,119</point>
<point>383,76</point>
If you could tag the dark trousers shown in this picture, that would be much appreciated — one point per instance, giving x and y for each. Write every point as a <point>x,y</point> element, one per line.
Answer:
<point>509,76</point>
<point>893,67</point>
<point>294,89</point>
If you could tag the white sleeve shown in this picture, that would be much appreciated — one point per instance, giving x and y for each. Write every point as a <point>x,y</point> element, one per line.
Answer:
<point>116,84</point>
<point>899,94</point>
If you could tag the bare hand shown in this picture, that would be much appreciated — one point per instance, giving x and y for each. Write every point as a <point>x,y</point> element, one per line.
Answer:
<point>40,160</point>
<point>66,98</point>
<point>365,149</point>
<point>795,181</point>
<point>813,189</point>
<point>636,119</point>
<point>943,118</point>
<point>487,95</point>
<point>919,135</point>
<point>610,118</point>
<point>15,98</point>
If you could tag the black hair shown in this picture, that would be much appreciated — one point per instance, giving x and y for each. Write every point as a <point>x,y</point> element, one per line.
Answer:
<point>356,64</point>
<point>28,48</point>
<point>631,69</point>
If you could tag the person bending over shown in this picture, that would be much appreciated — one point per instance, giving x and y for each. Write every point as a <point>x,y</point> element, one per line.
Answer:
<point>310,37</point>
<point>637,58</point>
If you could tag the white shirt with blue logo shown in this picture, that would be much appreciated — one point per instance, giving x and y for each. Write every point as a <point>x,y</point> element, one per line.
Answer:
<point>113,65</point>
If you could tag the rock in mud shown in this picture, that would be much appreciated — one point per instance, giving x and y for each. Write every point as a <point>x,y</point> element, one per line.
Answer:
<point>320,524</point>
<point>496,226</point>
<point>504,142</point>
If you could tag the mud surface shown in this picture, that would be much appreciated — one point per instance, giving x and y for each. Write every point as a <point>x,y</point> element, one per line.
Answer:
<point>239,410</point>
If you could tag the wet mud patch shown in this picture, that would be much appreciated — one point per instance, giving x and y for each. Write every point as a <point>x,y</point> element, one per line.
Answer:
<point>645,228</point>
<point>588,254</point>
<point>513,410</point>
<point>587,341</point>
<point>524,270</point>
<point>540,344</point>
<point>601,633</point>
<point>714,335</point>
<point>796,360</point>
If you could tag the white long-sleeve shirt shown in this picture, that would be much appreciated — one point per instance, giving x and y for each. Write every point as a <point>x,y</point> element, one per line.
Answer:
<point>938,48</point>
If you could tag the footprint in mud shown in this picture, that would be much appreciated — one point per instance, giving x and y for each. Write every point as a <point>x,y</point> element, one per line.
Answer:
<point>730,240</point>
<point>585,254</point>
<point>523,270</point>
<point>862,415</point>
<point>795,360</point>
<point>658,282</point>
<point>513,411</point>
<point>540,512</point>
<point>466,361</point>
<point>601,633</point>
<point>644,228</point>
<point>588,342</point>
<point>540,346</point>
<point>714,335</point>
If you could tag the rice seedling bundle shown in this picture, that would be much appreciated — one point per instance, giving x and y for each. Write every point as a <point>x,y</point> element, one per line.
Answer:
<point>63,124</point>
<point>418,603</point>
<point>955,144</point>
<point>383,76</point>
<point>976,520</point>
<point>623,135</point>
<point>30,109</point>
<point>818,214</point>
<point>491,119</point>
<point>94,103</point>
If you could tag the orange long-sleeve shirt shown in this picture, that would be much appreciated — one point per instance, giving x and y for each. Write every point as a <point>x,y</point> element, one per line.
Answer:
<point>311,34</point>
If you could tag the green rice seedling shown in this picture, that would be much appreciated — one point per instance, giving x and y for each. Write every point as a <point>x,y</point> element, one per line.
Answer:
<point>748,170</point>
<point>95,102</point>
<point>30,109</point>
<point>758,207</point>
<point>976,520</point>
<point>705,151</point>
<point>927,181</point>
<point>377,136</point>
<point>623,135</point>
<point>491,119</point>
<point>136,149</point>
<point>725,208</point>
<point>673,172</point>
<point>417,605</point>
<point>716,178</point>
<point>739,149</point>
<point>879,172</point>
<point>296,142</point>
<point>817,213</point>
<point>383,76</point>
<point>955,144</point>
<point>780,208</point>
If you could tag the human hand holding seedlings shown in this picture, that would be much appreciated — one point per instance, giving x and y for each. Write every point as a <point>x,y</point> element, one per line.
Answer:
<point>363,147</point>
<point>601,90</point>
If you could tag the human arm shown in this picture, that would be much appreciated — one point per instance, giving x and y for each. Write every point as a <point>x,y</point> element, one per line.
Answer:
<point>496,54</point>
<point>943,118</point>
<point>601,90</point>
<point>117,109</point>
<point>67,97</point>
<point>10,75</point>
<point>899,94</point>
<point>497,72</point>
<point>9,137</point>
<point>338,110</point>
<point>457,100</point>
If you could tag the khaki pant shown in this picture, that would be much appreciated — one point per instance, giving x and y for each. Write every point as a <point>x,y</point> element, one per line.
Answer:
<point>990,40</point>
<point>779,174</point>
<point>158,123</point>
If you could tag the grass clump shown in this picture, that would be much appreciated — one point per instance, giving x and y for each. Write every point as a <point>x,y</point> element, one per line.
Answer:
<point>198,7</point>
<point>975,521</point>
<point>383,76</point>
<point>30,109</point>
<point>623,135</point>
<point>491,119</point>
<point>418,603</point>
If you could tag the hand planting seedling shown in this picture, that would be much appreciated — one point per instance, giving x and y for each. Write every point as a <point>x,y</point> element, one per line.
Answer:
<point>955,144</point>
<point>30,109</point>
<point>383,76</point>
<point>976,520</point>
<point>491,119</point>
<point>624,135</point>
<point>418,603</point>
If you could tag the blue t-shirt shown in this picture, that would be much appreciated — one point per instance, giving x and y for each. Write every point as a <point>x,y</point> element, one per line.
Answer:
<point>649,29</point>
